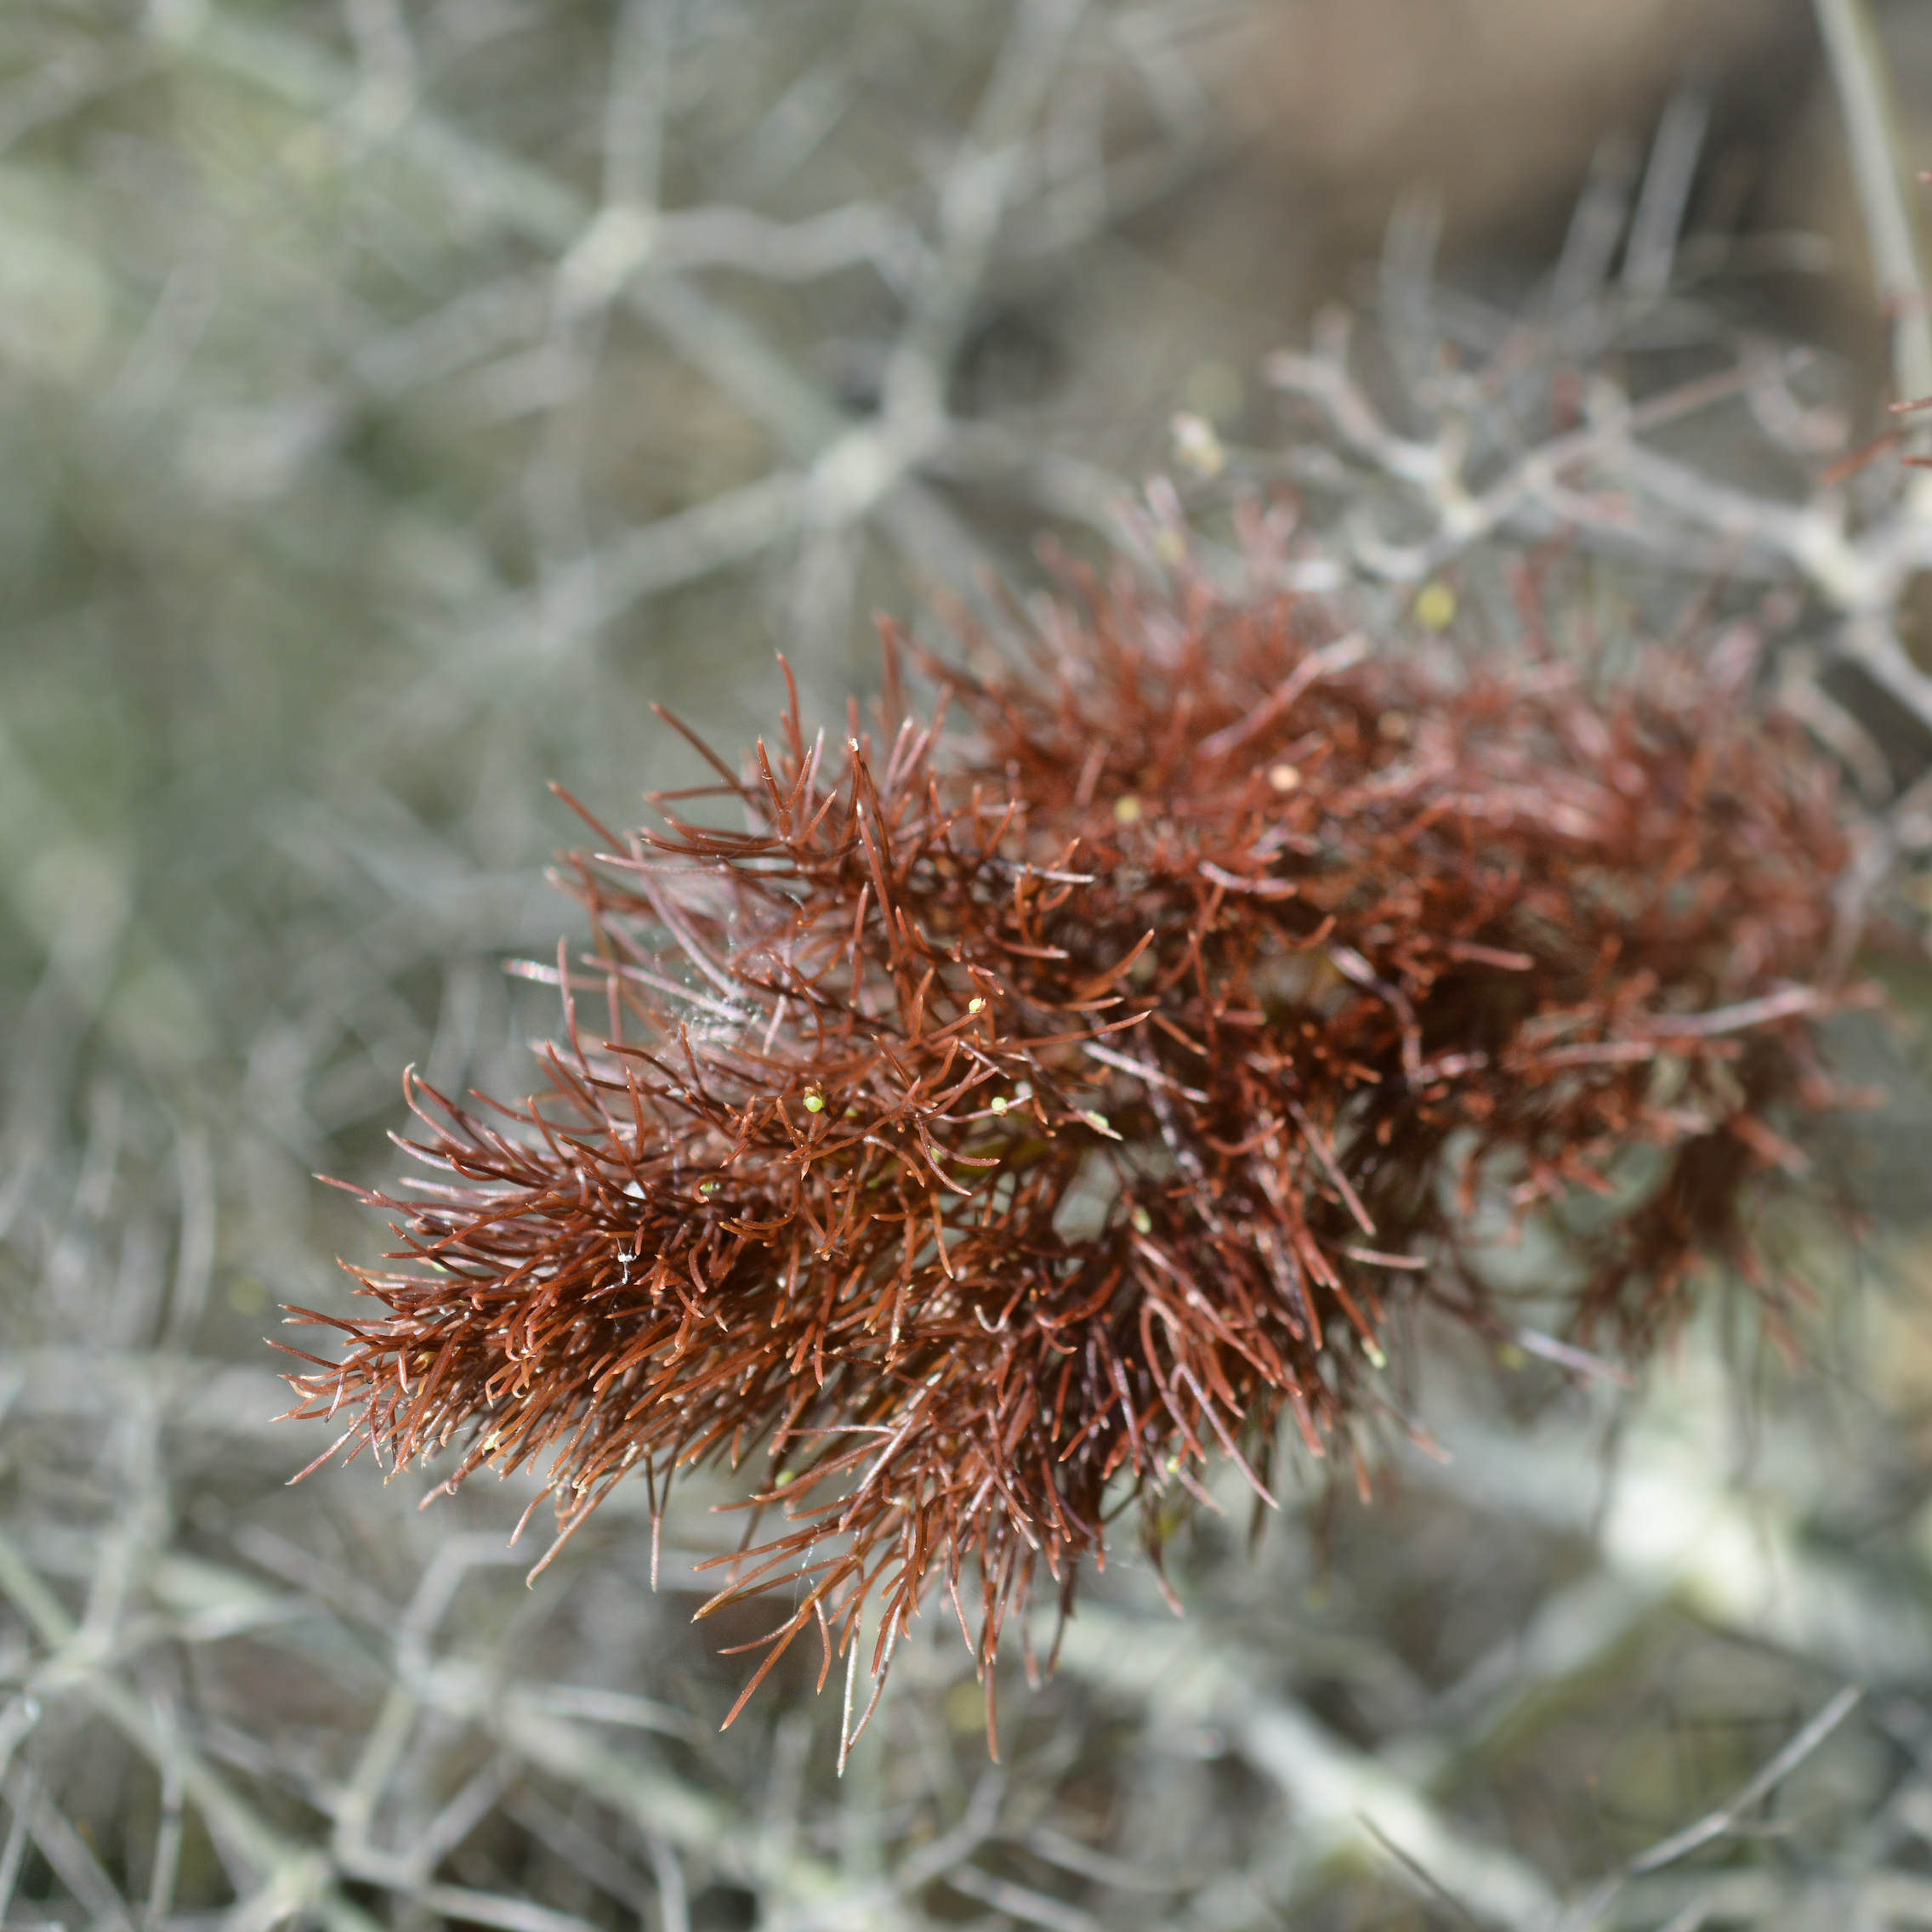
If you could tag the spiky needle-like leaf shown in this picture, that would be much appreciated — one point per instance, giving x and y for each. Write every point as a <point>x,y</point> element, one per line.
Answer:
<point>1005,1117</point>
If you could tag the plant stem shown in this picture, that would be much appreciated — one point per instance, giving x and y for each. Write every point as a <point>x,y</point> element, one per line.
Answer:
<point>1883,178</point>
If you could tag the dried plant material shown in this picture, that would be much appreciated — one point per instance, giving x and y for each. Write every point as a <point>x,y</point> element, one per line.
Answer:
<point>1009,1121</point>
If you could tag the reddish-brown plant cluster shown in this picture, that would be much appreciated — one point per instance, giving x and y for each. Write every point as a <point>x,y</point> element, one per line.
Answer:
<point>1011,1119</point>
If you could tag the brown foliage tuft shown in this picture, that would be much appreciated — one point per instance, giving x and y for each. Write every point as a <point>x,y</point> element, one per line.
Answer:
<point>1001,1120</point>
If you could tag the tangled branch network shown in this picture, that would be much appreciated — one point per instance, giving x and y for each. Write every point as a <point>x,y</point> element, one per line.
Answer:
<point>1007,1122</point>
<point>1513,429</point>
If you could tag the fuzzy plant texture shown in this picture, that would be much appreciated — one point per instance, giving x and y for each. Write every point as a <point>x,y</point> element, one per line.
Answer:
<point>400,394</point>
<point>1025,1104</point>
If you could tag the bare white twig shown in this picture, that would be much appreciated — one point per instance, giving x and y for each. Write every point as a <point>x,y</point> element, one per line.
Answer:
<point>1726,1820</point>
<point>1877,147</point>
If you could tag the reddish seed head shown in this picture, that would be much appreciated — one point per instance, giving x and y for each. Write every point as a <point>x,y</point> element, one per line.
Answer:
<point>1002,1119</point>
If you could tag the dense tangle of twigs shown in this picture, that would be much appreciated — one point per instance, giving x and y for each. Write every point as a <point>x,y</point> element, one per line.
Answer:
<point>1003,1122</point>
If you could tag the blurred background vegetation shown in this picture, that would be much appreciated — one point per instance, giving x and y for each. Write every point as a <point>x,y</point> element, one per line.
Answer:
<point>397,397</point>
